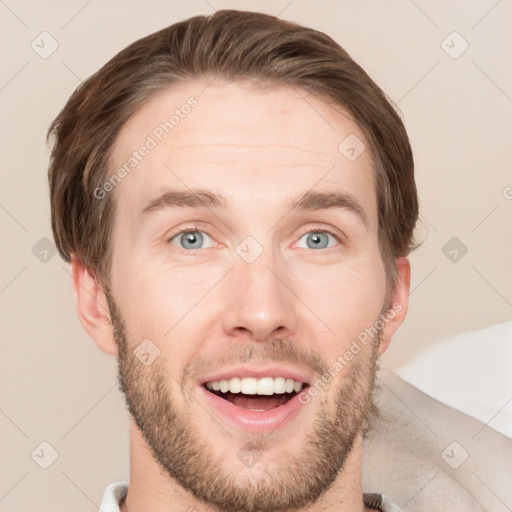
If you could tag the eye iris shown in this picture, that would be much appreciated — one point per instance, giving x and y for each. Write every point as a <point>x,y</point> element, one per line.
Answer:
<point>316,238</point>
<point>192,237</point>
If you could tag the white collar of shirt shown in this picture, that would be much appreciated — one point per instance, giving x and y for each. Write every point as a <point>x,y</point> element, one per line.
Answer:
<point>112,496</point>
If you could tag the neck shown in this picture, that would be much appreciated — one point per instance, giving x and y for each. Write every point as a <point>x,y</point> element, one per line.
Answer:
<point>151,489</point>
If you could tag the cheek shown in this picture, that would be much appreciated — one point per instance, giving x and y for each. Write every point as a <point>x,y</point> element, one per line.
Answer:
<point>171,306</point>
<point>347,298</point>
<point>168,292</point>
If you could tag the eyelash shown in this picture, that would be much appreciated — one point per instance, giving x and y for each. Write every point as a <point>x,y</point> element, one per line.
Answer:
<point>313,229</point>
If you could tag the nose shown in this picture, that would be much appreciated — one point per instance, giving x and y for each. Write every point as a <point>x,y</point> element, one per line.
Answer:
<point>260,301</point>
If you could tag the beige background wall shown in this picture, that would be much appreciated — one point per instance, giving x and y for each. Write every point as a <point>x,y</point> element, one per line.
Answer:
<point>56,386</point>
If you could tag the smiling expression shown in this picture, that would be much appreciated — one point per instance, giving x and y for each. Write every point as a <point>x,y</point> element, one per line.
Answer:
<point>246,250</point>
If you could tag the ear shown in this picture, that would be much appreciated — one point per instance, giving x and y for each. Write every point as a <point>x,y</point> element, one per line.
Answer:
<point>92,307</point>
<point>397,310</point>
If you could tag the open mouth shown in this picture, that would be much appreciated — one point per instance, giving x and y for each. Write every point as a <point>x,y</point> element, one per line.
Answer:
<point>256,395</point>
<point>264,404</point>
<point>255,402</point>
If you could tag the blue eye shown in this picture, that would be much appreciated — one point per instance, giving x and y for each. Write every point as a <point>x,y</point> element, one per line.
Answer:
<point>318,239</point>
<point>190,239</point>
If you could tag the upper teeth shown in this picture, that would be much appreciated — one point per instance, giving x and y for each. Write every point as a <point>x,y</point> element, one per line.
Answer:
<point>252,386</point>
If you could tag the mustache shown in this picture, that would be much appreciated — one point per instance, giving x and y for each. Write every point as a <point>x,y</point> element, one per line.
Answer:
<point>276,350</point>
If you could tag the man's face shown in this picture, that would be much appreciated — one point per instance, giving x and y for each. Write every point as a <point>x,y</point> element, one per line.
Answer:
<point>253,290</point>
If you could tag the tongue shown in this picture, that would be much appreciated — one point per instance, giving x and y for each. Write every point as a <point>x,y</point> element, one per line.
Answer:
<point>257,402</point>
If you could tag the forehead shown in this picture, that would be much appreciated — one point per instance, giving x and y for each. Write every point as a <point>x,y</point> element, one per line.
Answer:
<point>262,143</point>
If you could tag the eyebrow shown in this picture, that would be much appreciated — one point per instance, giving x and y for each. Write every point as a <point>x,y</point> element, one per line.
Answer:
<point>308,201</point>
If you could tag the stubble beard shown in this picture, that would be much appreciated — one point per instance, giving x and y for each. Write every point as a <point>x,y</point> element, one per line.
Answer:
<point>184,453</point>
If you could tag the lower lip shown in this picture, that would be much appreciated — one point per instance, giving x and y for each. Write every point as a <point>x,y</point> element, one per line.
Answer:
<point>254,421</point>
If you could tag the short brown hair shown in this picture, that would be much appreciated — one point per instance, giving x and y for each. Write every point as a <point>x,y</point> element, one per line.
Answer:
<point>237,46</point>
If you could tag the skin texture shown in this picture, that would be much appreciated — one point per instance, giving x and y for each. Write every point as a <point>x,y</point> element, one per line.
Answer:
<point>206,308</point>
